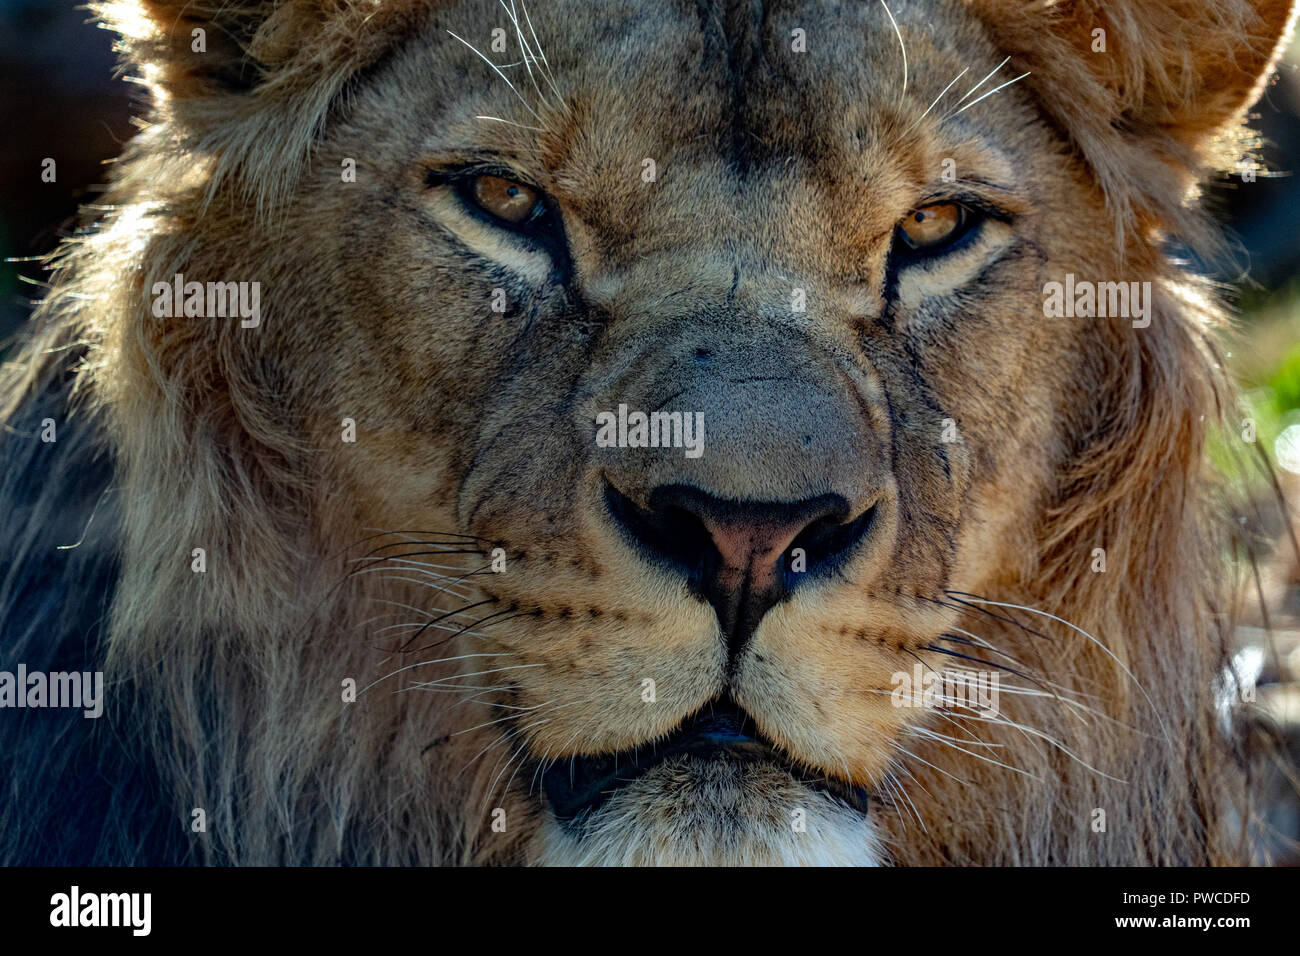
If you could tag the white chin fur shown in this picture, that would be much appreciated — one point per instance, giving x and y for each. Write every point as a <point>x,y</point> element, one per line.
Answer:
<point>724,814</point>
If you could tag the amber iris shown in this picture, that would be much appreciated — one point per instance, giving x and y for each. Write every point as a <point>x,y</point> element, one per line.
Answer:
<point>505,199</point>
<point>932,226</point>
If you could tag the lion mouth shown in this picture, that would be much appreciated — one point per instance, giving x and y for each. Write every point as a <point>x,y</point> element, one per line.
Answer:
<point>576,787</point>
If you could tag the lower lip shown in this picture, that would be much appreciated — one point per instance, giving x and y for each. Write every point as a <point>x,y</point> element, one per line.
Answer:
<point>572,806</point>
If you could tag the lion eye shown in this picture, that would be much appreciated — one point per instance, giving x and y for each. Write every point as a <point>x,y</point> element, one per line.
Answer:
<point>505,199</point>
<point>931,227</point>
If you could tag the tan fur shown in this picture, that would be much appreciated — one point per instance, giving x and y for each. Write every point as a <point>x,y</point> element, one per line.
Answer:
<point>1074,433</point>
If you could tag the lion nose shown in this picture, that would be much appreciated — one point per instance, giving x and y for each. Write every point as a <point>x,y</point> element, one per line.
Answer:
<point>743,557</point>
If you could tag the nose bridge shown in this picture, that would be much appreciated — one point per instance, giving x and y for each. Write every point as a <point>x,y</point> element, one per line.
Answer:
<point>715,268</point>
<point>782,420</point>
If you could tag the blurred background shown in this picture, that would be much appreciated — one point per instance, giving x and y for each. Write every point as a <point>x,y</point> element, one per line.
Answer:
<point>60,100</point>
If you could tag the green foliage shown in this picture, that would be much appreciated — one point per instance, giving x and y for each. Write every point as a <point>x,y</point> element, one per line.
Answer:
<point>1270,408</point>
<point>1285,382</point>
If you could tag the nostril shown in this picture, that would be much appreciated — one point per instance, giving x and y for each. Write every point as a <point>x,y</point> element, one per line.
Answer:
<point>742,557</point>
<point>738,555</point>
<point>826,544</point>
<point>669,535</point>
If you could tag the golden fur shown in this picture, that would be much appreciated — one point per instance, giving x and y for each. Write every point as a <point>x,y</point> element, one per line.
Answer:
<point>1075,434</point>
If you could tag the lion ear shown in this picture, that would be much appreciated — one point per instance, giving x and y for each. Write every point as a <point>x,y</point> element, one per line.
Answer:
<point>204,48</point>
<point>192,49</point>
<point>1187,67</point>
<point>1153,92</point>
<point>1215,62</point>
<point>249,82</point>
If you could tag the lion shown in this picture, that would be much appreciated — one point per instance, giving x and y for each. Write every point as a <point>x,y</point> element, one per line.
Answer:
<point>638,433</point>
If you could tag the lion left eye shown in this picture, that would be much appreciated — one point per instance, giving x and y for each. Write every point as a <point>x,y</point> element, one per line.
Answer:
<point>931,228</point>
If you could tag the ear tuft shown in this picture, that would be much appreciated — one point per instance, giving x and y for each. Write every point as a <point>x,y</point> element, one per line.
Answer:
<point>1154,93</point>
<point>248,83</point>
<point>188,49</point>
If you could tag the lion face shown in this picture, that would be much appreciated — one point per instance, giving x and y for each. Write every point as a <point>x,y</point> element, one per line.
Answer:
<point>828,299</point>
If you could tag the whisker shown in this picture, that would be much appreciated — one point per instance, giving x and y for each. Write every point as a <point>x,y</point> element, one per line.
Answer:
<point>441,660</point>
<point>546,64</point>
<point>903,750</point>
<point>494,670</point>
<point>923,732</point>
<point>500,74</point>
<point>977,660</point>
<point>552,708</point>
<point>442,589</point>
<point>1050,739</point>
<point>1120,664</point>
<point>902,46</point>
<point>969,743</point>
<point>468,628</point>
<point>523,45</point>
<point>903,770</point>
<point>982,82</point>
<point>917,121</point>
<point>958,605</point>
<point>405,607</point>
<point>404,561</point>
<point>448,614</point>
<point>476,688</point>
<point>415,624</point>
<point>498,119</point>
<point>986,95</point>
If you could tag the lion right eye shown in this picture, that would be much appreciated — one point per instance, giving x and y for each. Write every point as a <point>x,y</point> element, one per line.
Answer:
<point>504,199</point>
<point>494,197</point>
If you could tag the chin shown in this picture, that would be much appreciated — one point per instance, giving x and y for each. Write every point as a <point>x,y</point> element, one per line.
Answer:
<point>712,793</point>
